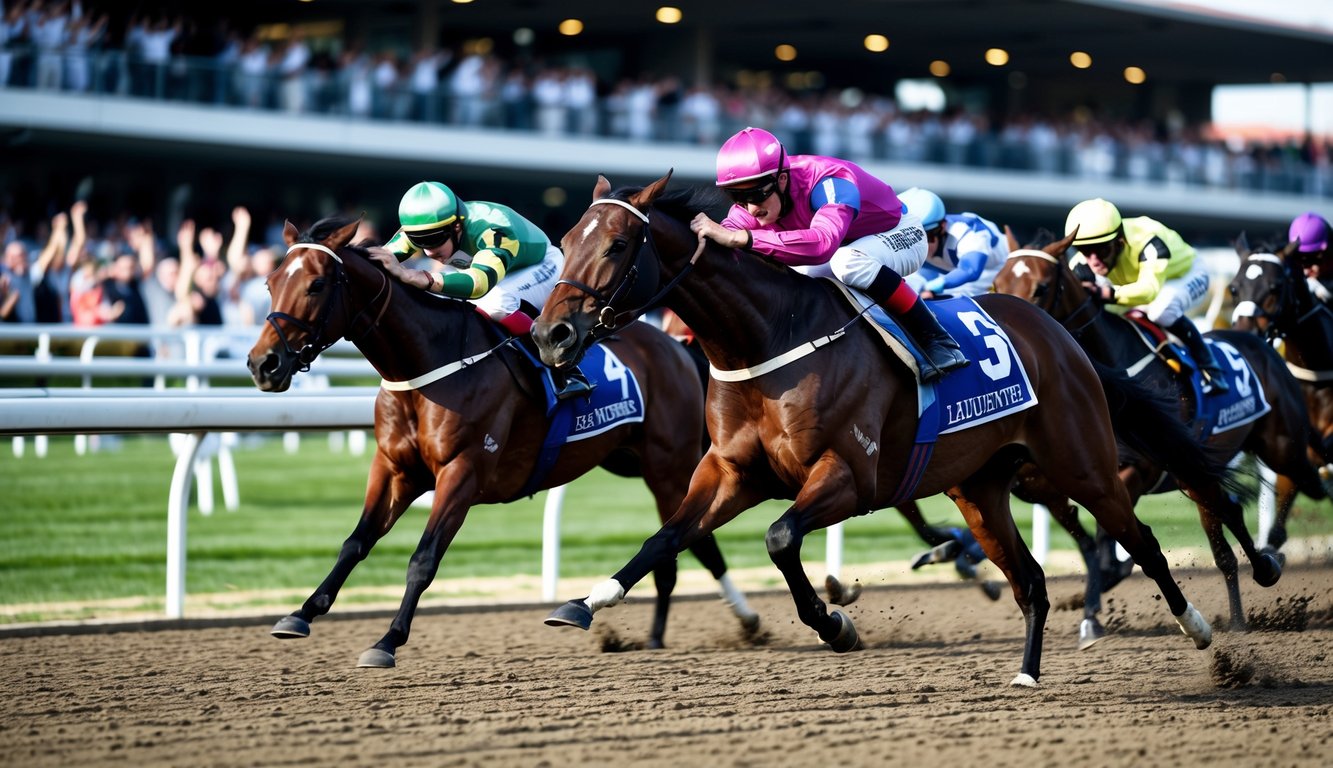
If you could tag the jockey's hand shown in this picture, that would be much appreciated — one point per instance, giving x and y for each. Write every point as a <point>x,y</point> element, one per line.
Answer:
<point>1102,291</point>
<point>380,255</point>
<point>731,238</point>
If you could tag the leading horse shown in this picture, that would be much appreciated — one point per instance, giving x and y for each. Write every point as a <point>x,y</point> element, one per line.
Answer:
<point>1041,276</point>
<point>812,408</point>
<point>462,413</point>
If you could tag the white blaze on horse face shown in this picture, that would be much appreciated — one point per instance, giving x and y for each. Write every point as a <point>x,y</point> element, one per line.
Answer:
<point>296,266</point>
<point>1020,269</point>
<point>1253,272</point>
<point>592,225</point>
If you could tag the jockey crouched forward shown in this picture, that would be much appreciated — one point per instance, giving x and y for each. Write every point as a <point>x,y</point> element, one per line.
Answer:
<point>964,252</point>
<point>488,254</point>
<point>827,217</point>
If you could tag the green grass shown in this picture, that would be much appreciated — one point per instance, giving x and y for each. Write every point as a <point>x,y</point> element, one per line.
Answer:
<point>93,527</point>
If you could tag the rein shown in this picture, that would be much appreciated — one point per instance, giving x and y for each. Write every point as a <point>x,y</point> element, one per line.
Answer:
<point>315,343</point>
<point>1057,292</point>
<point>629,288</point>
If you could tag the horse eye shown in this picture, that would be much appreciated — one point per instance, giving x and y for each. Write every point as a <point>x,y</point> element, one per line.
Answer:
<point>1039,291</point>
<point>617,246</point>
<point>316,286</point>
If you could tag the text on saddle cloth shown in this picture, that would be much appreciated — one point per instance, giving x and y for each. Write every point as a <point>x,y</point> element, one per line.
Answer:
<point>1216,411</point>
<point>615,399</point>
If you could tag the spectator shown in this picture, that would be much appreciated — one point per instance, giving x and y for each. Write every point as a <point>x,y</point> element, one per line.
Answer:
<point>19,305</point>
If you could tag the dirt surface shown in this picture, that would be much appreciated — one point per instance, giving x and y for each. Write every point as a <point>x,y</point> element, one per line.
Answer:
<point>498,688</point>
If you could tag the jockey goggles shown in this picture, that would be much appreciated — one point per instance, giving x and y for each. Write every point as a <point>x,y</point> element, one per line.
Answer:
<point>753,195</point>
<point>431,238</point>
<point>1103,251</point>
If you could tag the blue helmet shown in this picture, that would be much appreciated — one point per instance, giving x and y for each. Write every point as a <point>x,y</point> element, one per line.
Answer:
<point>925,204</point>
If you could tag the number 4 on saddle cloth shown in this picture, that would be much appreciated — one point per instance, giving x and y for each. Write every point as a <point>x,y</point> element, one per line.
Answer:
<point>1219,411</point>
<point>994,386</point>
<point>615,399</point>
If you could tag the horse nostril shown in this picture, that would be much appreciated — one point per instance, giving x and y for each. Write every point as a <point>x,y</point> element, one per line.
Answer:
<point>560,335</point>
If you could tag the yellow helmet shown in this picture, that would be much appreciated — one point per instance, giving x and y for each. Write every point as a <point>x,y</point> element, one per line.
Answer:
<point>1097,221</point>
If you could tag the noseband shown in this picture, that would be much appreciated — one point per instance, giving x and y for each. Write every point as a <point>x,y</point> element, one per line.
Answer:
<point>315,343</point>
<point>635,283</point>
<point>1285,296</point>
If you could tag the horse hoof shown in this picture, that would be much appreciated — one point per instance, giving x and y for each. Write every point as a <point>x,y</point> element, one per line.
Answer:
<point>750,623</point>
<point>374,657</point>
<point>992,589</point>
<point>654,644</point>
<point>840,595</point>
<point>290,628</point>
<point>1195,626</point>
<point>1089,633</point>
<point>575,613</point>
<point>1271,571</point>
<point>1024,680</point>
<point>845,639</point>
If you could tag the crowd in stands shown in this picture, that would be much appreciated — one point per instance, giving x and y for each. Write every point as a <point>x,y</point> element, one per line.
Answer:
<point>62,45</point>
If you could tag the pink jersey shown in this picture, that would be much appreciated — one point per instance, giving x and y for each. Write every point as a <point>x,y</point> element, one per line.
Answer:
<point>833,202</point>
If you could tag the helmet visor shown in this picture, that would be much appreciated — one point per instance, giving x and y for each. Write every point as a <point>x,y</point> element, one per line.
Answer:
<point>753,195</point>
<point>1104,251</point>
<point>430,238</point>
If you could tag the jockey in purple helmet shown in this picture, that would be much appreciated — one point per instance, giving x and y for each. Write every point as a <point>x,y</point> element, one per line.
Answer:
<point>1312,231</point>
<point>827,217</point>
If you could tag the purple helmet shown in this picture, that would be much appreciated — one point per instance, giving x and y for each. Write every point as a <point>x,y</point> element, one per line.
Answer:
<point>751,154</point>
<point>1312,230</point>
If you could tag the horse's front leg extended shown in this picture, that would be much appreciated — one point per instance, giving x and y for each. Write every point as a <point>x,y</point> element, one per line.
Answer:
<point>455,490</point>
<point>715,497</point>
<point>388,494</point>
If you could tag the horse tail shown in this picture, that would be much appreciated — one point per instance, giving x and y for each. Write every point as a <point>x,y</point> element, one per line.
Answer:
<point>1147,421</point>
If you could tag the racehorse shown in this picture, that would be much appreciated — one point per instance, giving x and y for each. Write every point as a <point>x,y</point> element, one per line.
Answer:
<point>1273,299</point>
<point>470,421</point>
<point>829,423</point>
<point>1278,438</point>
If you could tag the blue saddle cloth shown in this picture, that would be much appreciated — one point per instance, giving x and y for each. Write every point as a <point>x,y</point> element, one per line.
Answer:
<point>615,399</point>
<point>995,384</point>
<point>1217,412</point>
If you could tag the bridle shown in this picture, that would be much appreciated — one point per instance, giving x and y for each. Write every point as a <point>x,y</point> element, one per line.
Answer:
<point>1286,299</point>
<point>315,342</point>
<point>1070,322</point>
<point>635,284</point>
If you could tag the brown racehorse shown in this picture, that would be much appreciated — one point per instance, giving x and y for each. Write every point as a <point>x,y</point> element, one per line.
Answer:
<point>1273,299</point>
<point>1043,277</point>
<point>801,430</point>
<point>472,436</point>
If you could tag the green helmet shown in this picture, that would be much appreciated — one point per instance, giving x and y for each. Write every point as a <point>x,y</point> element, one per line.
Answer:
<point>429,205</point>
<point>1097,221</point>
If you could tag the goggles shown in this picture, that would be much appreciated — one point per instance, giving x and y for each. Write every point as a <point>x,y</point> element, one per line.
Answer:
<point>1103,251</point>
<point>431,238</point>
<point>753,195</point>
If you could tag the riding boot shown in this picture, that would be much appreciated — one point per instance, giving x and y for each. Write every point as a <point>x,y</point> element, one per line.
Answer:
<point>570,382</point>
<point>1213,378</point>
<point>942,353</point>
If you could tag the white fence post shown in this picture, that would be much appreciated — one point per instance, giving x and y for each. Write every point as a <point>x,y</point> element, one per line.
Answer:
<point>555,502</point>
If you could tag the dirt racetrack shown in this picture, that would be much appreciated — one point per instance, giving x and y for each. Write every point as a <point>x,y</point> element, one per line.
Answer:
<point>498,688</point>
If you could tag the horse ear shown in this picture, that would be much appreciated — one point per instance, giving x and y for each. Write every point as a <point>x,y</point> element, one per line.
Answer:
<point>344,234</point>
<point>1059,247</point>
<point>1242,245</point>
<point>600,189</point>
<point>1009,235</point>
<point>1289,249</point>
<point>290,233</point>
<point>650,193</point>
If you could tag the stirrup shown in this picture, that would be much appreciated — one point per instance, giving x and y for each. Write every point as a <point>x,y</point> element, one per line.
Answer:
<point>1214,381</point>
<point>575,385</point>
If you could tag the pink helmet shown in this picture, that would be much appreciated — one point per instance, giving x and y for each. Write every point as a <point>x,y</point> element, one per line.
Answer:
<point>1312,230</point>
<point>751,154</point>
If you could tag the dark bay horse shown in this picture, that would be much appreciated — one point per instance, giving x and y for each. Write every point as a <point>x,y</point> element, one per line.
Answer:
<point>1273,299</point>
<point>473,432</point>
<point>1043,277</point>
<point>832,429</point>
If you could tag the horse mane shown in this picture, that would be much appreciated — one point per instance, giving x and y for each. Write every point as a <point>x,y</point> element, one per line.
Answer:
<point>683,203</point>
<point>1041,239</point>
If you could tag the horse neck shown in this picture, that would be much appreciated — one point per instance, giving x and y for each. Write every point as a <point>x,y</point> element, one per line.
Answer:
<point>1307,328</point>
<point>740,309</point>
<point>414,333</point>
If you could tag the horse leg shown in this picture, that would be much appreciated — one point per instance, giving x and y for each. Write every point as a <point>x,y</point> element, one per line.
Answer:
<point>715,497</point>
<point>984,501</point>
<point>388,494</point>
<point>710,555</point>
<point>664,580</point>
<point>1226,563</point>
<point>1216,508</point>
<point>828,497</point>
<point>1090,630</point>
<point>454,490</point>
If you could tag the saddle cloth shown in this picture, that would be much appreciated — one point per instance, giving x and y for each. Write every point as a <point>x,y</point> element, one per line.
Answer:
<point>615,399</point>
<point>1215,412</point>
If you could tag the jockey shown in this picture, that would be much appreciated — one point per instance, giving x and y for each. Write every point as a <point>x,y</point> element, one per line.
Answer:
<point>964,252</point>
<point>1147,266</point>
<point>827,217</point>
<point>482,252</point>
<point>1312,230</point>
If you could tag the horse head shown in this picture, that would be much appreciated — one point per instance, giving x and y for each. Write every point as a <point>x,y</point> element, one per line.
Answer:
<point>1264,288</point>
<point>611,274</point>
<point>305,290</point>
<point>1039,274</point>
